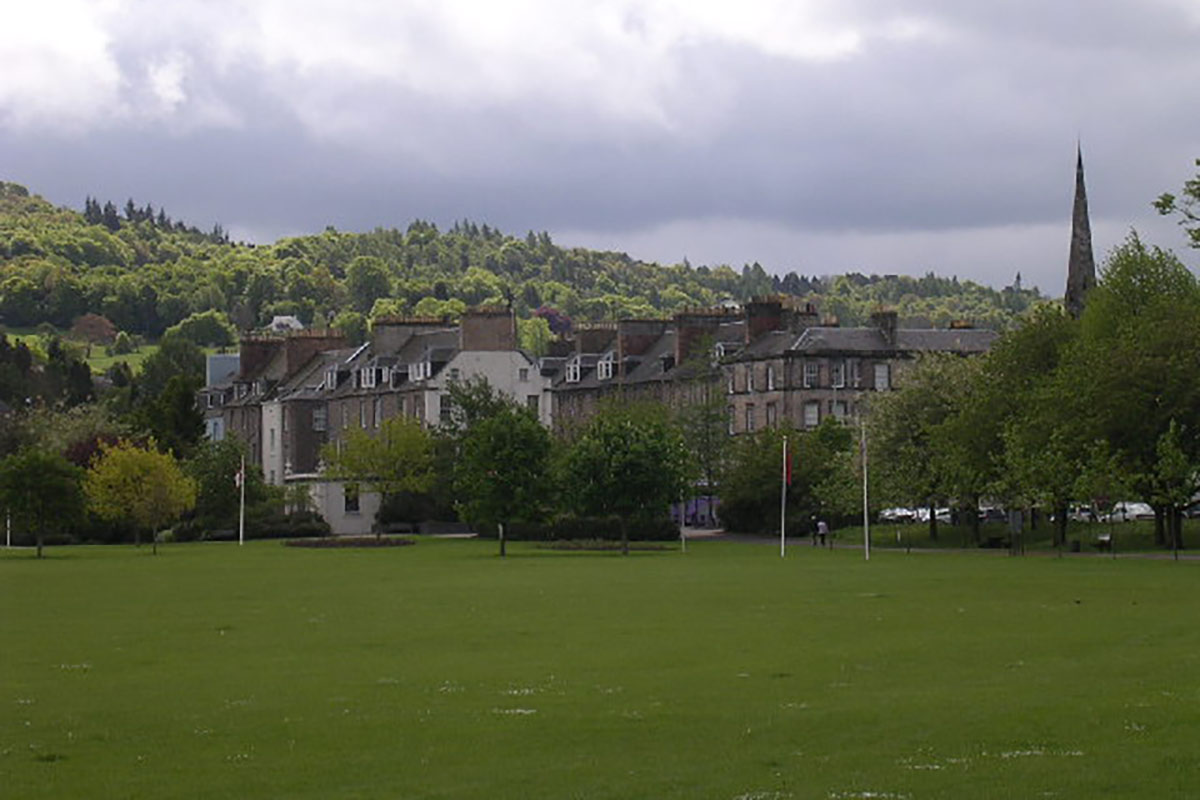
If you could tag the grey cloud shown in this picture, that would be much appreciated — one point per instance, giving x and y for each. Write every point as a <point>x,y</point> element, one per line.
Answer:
<point>912,139</point>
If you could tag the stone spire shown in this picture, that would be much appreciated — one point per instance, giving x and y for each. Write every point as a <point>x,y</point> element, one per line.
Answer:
<point>1081,267</point>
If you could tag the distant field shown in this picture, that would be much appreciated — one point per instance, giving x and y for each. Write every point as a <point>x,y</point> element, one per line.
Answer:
<point>442,671</point>
<point>99,361</point>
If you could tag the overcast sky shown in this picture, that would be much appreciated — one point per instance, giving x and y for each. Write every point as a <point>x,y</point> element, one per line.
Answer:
<point>875,135</point>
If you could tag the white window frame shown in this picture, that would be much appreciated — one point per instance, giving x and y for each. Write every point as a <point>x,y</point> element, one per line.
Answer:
<point>812,414</point>
<point>837,373</point>
<point>376,411</point>
<point>772,415</point>
<point>604,368</point>
<point>812,374</point>
<point>770,377</point>
<point>367,378</point>
<point>749,377</point>
<point>855,373</point>
<point>883,376</point>
<point>749,418</point>
<point>574,370</point>
<point>331,379</point>
<point>320,419</point>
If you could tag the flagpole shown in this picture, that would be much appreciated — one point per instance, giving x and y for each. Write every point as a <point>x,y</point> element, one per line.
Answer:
<point>242,504</point>
<point>783,502</point>
<point>866,512</point>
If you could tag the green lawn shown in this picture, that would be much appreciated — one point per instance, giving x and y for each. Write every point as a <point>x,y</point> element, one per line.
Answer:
<point>441,671</point>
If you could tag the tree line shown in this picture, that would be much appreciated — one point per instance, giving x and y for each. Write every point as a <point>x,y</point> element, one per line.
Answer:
<point>146,272</point>
<point>1093,410</point>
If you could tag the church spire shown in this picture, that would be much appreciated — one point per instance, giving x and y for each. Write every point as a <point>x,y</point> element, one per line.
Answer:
<point>1081,267</point>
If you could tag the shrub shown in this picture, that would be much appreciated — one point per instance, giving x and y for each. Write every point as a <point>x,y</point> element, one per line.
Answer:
<point>573,527</point>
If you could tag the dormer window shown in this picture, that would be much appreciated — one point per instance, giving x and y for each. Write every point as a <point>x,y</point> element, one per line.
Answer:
<point>604,368</point>
<point>421,370</point>
<point>385,375</point>
<point>574,370</point>
<point>367,378</point>
<point>331,379</point>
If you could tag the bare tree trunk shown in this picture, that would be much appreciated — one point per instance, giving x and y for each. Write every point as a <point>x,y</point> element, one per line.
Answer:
<point>500,532</point>
<point>975,519</point>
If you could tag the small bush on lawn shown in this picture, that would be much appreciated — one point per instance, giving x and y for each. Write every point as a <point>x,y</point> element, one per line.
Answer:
<point>269,524</point>
<point>335,542</point>
<point>572,528</point>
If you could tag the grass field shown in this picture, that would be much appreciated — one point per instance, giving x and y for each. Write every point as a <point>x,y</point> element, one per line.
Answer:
<point>441,671</point>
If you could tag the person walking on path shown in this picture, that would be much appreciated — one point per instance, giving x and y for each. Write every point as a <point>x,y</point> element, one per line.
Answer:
<point>823,532</point>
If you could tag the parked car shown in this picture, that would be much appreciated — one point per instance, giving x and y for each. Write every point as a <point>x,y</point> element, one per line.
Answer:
<point>1127,510</point>
<point>1082,512</point>
<point>897,515</point>
<point>943,515</point>
<point>992,514</point>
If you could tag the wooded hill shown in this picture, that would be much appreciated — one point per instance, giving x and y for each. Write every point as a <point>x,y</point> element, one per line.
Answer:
<point>145,272</point>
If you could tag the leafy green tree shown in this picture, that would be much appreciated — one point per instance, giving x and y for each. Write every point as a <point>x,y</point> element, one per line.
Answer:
<point>352,325</point>
<point>503,476</point>
<point>175,356</point>
<point>1175,481</point>
<point>1133,372</point>
<point>629,462</point>
<point>1186,206</point>
<point>206,328</point>
<point>703,418</point>
<point>397,459</point>
<point>824,481</point>
<point>534,335</point>
<point>908,467</point>
<point>366,281</point>
<point>139,485</point>
<point>173,418</point>
<point>213,467</point>
<point>472,401</point>
<point>41,489</point>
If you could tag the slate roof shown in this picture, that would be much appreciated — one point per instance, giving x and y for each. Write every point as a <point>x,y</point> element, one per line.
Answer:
<point>871,340</point>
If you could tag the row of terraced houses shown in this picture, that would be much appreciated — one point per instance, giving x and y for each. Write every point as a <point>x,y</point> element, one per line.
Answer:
<point>285,395</point>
